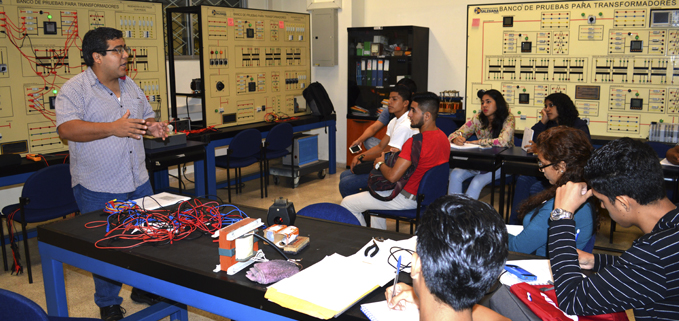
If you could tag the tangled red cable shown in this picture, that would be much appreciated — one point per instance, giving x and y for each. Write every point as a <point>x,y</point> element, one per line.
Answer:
<point>127,222</point>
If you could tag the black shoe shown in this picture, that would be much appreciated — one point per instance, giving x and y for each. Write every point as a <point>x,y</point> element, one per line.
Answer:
<point>112,312</point>
<point>141,296</point>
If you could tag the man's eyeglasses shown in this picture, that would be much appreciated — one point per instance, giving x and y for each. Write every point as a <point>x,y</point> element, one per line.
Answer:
<point>542,167</point>
<point>121,49</point>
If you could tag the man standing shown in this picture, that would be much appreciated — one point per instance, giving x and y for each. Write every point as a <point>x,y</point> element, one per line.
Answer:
<point>627,178</point>
<point>398,131</point>
<point>435,151</point>
<point>103,114</point>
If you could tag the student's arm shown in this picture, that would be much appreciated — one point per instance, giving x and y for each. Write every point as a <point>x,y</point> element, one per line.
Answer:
<point>460,136</point>
<point>533,235</point>
<point>638,278</point>
<point>393,174</point>
<point>673,155</point>
<point>83,131</point>
<point>506,137</point>
<point>374,152</point>
<point>372,129</point>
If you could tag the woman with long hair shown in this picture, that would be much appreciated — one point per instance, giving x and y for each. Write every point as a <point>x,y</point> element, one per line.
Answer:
<point>562,155</point>
<point>493,126</point>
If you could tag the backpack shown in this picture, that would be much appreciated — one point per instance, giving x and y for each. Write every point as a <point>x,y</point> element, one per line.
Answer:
<point>317,99</point>
<point>377,181</point>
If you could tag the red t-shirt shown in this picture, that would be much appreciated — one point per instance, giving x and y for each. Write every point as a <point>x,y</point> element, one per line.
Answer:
<point>435,151</point>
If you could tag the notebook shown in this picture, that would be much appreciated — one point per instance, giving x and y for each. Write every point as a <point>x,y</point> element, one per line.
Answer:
<point>159,200</point>
<point>468,146</point>
<point>380,311</point>
<point>541,269</point>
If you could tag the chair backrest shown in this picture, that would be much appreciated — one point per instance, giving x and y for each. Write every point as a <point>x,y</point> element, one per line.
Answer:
<point>50,188</point>
<point>446,124</point>
<point>434,183</point>
<point>330,212</point>
<point>247,143</point>
<point>279,137</point>
<point>660,148</point>
<point>14,306</point>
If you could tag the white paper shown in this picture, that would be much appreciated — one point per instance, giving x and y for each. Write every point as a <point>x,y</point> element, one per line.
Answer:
<point>664,161</point>
<point>467,146</point>
<point>514,229</point>
<point>540,268</point>
<point>160,200</point>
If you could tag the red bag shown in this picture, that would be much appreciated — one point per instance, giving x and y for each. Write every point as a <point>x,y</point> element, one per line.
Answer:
<point>542,302</point>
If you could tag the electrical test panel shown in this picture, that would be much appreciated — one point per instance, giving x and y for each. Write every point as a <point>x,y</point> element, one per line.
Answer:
<point>615,59</point>
<point>255,65</point>
<point>40,49</point>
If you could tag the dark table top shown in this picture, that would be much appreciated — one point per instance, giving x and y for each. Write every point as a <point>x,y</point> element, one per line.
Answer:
<point>194,260</point>
<point>29,166</point>
<point>230,132</point>
<point>477,152</point>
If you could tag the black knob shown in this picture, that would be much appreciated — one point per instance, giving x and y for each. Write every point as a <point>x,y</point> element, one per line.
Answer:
<point>220,86</point>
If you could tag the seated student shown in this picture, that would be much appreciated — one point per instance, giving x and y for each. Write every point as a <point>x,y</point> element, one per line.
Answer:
<point>398,132</point>
<point>494,126</point>
<point>435,151</point>
<point>559,111</point>
<point>627,178</point>
<point>367,138</point>
<point>562,155</point>
<point>461,251</point>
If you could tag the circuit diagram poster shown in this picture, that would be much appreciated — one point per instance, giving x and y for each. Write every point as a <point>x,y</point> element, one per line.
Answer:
<point>615,59</point>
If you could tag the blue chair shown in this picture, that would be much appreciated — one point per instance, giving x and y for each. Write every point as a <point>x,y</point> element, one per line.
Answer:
<point>330,212</point>
<point>446,124</point>
<point>433,185</point>
<point>46,195</point>
<point>278,140</point>
<point>14,306</point>
<point>660,148</point>
<point>244,150</point>
<point>589,247</point>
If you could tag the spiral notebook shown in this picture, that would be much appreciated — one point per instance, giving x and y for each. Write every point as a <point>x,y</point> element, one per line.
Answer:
<point>380,311</point>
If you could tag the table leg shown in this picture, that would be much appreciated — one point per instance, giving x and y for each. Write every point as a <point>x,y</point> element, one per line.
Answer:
<point>55,287</point>
<point>503,182</point>
<point>332,146</point>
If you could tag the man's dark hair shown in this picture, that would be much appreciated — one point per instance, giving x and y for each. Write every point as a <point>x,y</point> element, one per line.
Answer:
<point>462,244</point>
<point>95,41</point>
<point>626,167</point>
<point>428,102</point>
<point>565,108</point>
<point>501,112</point>
<point>402,91</point>
<point>408,83</point>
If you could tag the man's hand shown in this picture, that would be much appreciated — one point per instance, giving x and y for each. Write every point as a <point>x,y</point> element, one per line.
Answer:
<point>126,127</point>
<point>403,299</point>
<point>157,129</point>
<point>459,140</point>
<point>356,142</point>
<point>544,118</point>
<point>379,159</point>
<point>586,260</point>
<point>673,155</point>
<point>530,148</point>
<point>354,162</point>
<point>570,196</point>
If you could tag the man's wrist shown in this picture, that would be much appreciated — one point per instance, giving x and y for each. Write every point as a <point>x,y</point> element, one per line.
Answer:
<point>560,214</point>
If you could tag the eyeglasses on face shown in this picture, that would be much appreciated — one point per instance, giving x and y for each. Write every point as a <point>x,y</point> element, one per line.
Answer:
<point>121,49</point>
<point>542,167</point>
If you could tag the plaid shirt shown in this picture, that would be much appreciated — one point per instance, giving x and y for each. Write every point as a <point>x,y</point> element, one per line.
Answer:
<point>112,164</point>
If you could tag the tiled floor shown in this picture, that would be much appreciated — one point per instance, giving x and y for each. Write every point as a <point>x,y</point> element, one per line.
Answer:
<point>311,189</point>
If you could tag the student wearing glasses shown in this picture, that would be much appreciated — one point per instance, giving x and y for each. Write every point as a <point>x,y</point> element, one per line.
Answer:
<point>562,155</point>
<point>559,111</point>
<point>103,115</point>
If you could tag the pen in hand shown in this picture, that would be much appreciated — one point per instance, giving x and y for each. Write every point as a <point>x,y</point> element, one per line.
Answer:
<point>398,269</point>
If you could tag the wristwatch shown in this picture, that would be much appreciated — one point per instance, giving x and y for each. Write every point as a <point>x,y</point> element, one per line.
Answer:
<point>378,164</point>
<point>360,157</point>
<point>560,214</point>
